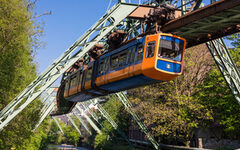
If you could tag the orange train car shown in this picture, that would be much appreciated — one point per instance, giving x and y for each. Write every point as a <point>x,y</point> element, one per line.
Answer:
<point>149,59</point>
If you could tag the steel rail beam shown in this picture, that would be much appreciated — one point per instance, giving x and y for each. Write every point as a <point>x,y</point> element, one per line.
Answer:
<point>113,17</point>
<point>220,19</point>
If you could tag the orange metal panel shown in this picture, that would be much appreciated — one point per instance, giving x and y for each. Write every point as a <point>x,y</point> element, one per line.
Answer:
<point>73,91</point>
<point>137,69</point>
<point>100,80</point>
<point>148,64</point>
<point>66,94</point>
<point>79,89</point>
<point>118,75</point>
<point>88,85</point>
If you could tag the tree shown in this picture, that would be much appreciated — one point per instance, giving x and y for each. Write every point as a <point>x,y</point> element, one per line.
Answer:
<point>17,38</point>
<point>170,108</point>
<point>216,95</point>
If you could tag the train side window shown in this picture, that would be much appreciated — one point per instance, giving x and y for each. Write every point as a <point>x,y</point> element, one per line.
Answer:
<point>101,67</point>
<point>89,74</point>
<point>73,81</point>
<point>139,52</point>
<point>132,55</point>
<point>129,51</point>
<point>106,65</point>
<point>114,61</point>
<point>80,77</point>
<point>150,49</point>
<point>66,85</point>
<point>122,58</point>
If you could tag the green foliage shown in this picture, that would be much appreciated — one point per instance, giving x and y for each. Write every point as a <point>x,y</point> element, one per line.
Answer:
<point>216,95</point>
<point>17,70</point>
<point>101,140</point>
<point>71,135</point>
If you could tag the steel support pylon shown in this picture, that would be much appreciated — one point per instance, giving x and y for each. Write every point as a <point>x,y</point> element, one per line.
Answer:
<point>93,114</point>
<point>60,128</point>
<point>226,65</point>
<point>88,120</point>
<point>45,114</point>
<point>122,97</point>
<point>73,123</point>
<point>111,121</point>
<point>42,83</point>
<point>82,122</point>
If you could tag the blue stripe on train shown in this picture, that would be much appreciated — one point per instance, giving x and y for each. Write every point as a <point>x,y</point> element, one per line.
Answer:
<point>169,66</point>
<point>128,83</point>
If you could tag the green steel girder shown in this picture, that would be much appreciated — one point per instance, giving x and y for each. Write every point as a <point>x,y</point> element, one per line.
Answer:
<point>47,104</point>
<point>95,127</point>
<point>93,115</point>
<point>59,126</point>
<point>210,24</point>
<point>122,97</point>
<point>111,121</point>
<point>44,115</point>
<point>113,17</point>
<point>73,123</point>
<point>82,122</point>
<point>226,65</point>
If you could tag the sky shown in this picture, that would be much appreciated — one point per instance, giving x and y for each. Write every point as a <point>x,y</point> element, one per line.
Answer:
<point>69,20</point>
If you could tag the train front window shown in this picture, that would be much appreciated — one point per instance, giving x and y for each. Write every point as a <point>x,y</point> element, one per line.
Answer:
<point>171,48</point>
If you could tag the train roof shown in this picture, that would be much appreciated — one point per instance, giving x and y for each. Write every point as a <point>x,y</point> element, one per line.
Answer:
<point>139,40</point>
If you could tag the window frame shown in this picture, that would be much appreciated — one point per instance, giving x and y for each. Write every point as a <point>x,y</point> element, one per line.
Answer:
<point>121,64</point>
<point>87,74</point>
<point>147,49</point>
<point>137,53</point>
<point>116,63</point>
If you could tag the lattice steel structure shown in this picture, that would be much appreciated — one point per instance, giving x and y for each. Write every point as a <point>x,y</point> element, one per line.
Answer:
<point>116,18</point>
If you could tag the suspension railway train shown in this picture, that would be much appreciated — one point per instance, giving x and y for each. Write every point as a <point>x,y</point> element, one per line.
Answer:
<point>146,60</point>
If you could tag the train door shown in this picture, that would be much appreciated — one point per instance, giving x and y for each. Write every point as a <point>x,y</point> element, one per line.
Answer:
<point>150,53</point>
